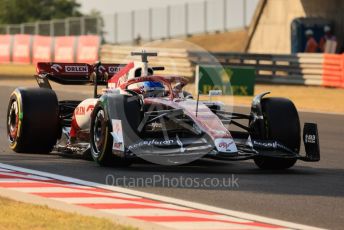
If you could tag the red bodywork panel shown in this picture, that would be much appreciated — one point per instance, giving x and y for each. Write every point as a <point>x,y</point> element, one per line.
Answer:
<point>119,77</point>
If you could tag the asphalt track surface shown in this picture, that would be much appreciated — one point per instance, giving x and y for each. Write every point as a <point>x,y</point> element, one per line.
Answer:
<point>309,193</point>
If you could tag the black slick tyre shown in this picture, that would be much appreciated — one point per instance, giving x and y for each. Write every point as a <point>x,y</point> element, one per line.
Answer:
<point>281,124</point>
<point>32,120</point>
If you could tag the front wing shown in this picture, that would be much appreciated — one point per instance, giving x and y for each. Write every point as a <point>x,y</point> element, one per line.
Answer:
<point>247,148</point>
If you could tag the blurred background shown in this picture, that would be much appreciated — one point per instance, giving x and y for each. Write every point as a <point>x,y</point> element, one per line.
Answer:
<point>123,22</point>
<point>289,43</point>
<point>277,26</point>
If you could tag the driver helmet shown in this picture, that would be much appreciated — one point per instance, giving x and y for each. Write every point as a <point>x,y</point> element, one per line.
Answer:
<point>152,88</point>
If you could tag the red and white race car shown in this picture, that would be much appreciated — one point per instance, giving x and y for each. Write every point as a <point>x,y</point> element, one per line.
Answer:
<point>141,114</point>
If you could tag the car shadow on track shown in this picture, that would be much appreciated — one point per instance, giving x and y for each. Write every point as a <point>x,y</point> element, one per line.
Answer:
<point>300,180</point>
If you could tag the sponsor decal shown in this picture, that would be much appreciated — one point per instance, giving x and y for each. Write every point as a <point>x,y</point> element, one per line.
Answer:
<point>153,142</point>
<point>225,145</point>
<point>109,69</point>
<point>101,69</point>
<point>270,145</point>
<point>56,67</point>
<point>117,134</point>
<point>113,69</point>
<point>90,108</point>
<point>76,69</point>
<point>80,110</point>
<point>310,139</point>
<point>265,144</point>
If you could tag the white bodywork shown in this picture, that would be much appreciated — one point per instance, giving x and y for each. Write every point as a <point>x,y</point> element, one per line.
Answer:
<point>83,111</point>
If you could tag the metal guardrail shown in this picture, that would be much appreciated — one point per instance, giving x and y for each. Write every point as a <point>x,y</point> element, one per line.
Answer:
<point>178,20</point>
<point>86,25</point>
<point>303,69</point>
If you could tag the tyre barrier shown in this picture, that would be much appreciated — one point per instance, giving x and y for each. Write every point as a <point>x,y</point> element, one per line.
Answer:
<point>333,70</point>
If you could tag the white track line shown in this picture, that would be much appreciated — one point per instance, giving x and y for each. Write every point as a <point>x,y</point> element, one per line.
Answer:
<point>180,202</point>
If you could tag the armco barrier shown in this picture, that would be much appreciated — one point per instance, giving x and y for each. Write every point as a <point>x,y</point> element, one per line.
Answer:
<point>21,51</point>
<point>88,49</point>
<point>64,49</point>
<point>300,69</point>
<point>42,49</point>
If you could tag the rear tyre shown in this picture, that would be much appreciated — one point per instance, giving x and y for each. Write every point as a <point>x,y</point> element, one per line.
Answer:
<point>32,120</point>
<point>126,109</point>
<point>281,124</point>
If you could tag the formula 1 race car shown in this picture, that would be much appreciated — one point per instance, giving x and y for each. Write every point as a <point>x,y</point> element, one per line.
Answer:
<point>141,114</point>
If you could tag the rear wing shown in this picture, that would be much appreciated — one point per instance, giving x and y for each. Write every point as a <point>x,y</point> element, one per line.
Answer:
<point>76,73</point>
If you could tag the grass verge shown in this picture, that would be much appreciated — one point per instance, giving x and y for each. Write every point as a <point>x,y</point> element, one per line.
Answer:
<point>17,215</point>
<point>233,41</point>
<point>16,70</point>
<point>312,98</point>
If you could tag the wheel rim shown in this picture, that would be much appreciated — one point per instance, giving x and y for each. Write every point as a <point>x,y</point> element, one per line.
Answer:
<point>99,132</point>
<point>13,121</point>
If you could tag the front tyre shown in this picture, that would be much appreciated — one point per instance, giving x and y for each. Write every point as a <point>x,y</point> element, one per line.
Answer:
<point>281,124</point>
<point>102,140</point>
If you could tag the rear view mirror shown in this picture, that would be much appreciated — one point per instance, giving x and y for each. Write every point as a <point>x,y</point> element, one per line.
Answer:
<point>214,93</point>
